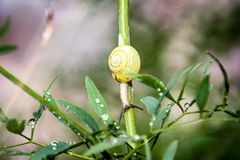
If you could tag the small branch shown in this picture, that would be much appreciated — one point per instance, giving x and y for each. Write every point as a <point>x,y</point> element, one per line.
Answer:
<point>15,145</point>
<point>79,156</point>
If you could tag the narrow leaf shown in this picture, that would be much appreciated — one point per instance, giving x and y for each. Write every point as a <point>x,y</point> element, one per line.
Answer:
<point>171,151</point>
<point>225,76</point>
<point>63,119</point>
<point>53,109</point>
<point>15,126</point>
<point>162,116</point>
<point>186,80</point>
<point>5,27</point>
<point>7,153</point>
<point>38,113</point>
<point>52,150</point>
<point>3,117</point>
<point>173,80</point>
<point>108,144</point>
<point>147,150</point>
<point>151,104</point>
<point>203,93</point>
<point>81,114</point>
<point>96,100</point>
<point>7,48</point>
<point>152,82</point>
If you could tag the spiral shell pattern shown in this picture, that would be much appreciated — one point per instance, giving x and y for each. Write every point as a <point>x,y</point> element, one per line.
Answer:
<point>123,60</point>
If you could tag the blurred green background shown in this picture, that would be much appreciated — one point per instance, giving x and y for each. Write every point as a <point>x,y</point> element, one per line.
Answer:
<point>169,35</point>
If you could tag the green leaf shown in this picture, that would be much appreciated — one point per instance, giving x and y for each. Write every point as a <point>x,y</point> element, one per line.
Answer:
<point>7,48</point>
<point>53,109</point>
<point>15,126</point>
<point>171,151</point>
<point>81,114</point>
<point>7,153</point>
<point>152,82</point>
<point>162,116</point>
<point>48,96</point>
<point>110,143</point>
<point>3,117</point>
<point>147,150</point>
<point>96,100</point>
<point>203,93</point>
<point>186,80</point>
<point>225,77</point>
<point>151,104</point>
<point>52,150</point>
<point>5,27</point>
<point>38,113</point>
<point>173,80</point>
<point>62,118</point>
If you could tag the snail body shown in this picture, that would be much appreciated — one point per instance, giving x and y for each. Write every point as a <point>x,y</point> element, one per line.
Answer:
<point>123,60</point>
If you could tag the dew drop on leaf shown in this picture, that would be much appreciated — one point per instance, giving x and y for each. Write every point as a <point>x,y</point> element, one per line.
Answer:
<point>104,117</point>
<point>97,100</point>
<point>54,143</point>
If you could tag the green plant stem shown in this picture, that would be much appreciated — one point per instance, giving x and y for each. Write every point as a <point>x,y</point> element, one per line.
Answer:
<point>41,100</point>
<point>124,39</point>
<point>129,155</point>
<point>15,145</point>
<point>79,156</point>
<point>123,33</point>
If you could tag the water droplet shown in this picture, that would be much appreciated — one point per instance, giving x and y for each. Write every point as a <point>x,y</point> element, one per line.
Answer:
<point>49,99</point>
<point>150,124</point>
<point>54,143</point>
<point>54,148</point>
<point>67,108</point>
<point>132,89</point>
<point>102,105</point>
<point>79,134</point>
<point>136,137</point>
<point>31,122</point>
<point>141,100</point>
<point>115,154</point>
<point>97,100</point>
<point>158,89</point>
<point>186,105</point>
<point>160,94</point>
<point>48,93</point>
<point>59,117</point>
<point>134,154</point>
<point>114,140</point>
<point>104,117</point>
<point>74,143</point>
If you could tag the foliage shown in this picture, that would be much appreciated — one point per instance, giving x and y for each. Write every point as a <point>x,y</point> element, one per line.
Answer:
<point>102,136</point>
<point>5,48</point>
<point>101,140</point>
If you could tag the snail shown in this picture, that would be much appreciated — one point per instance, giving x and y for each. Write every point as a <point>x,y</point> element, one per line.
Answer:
<point>124,59</point>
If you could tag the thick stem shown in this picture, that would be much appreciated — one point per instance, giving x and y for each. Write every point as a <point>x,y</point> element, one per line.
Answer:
<point>125,91</point>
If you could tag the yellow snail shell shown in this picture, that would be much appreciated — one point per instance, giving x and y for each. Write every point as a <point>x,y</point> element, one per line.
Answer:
<point>123,60</point>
